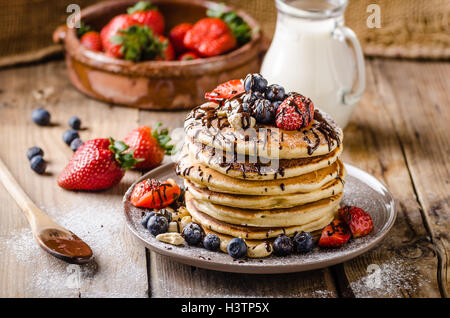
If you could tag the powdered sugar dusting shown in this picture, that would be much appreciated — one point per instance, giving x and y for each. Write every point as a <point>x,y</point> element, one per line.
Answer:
<point>117,269</point>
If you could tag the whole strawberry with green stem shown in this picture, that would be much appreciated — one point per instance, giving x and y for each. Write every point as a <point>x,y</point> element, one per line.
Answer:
<point>149,145</point>
<point>145,13</point>
<point>97,165</point>
<point>119,22</point>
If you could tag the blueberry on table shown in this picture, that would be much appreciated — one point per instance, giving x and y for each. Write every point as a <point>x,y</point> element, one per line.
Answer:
<point>303,242</point>
<point>34,151</point>
<point>38,164</point>
<point>41,117</point>
<point>75,122</point>
<point>211,242</point>
<point>146,217</point>
<point>237,248</point>
<point>282,246</point>
<point>76,143</point>
<point>157,224</point>
<point>275,92</point>
<point>255,82</point>
<point>70,135</point>
<point>193,233</point>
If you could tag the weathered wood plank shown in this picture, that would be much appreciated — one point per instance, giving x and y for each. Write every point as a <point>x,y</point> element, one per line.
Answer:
<point>119,268</point>
<point>421,110</point>
<point>406,261</point>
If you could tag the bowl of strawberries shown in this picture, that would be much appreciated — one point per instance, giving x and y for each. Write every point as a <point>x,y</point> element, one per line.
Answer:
<point>161,54</point>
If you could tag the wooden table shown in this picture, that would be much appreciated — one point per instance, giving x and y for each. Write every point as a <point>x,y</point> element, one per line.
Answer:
<point>399,133</point>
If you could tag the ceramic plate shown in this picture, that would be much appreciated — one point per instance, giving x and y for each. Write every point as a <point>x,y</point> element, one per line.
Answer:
<point>361,189</point>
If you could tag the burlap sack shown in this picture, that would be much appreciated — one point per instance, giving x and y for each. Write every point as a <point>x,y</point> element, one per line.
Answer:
<point>409,28</point>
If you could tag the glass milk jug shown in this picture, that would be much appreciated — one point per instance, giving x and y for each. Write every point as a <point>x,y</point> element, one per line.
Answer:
<point>314,54</point>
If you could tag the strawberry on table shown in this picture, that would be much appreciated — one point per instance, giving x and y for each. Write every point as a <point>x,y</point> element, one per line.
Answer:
<point>149,145</point>
<point>335,234</point>
<point>210,37</point>
<point>92,41</point>
<point>359,221</point>
<point>147,14</point>
<point>188,56</point>
<point>295,112</point>
<point>226,90</point>
<point>153,194</point>
<point>98,164</point>
<point>176,36</point>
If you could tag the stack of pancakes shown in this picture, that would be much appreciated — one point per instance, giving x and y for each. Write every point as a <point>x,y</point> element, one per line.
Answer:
<point>258,183</point>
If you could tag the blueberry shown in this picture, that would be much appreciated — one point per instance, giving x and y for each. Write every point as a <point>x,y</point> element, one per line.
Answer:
<point>275,92</point>
<point>70,135</point>
<point>255,82</point>
<point>157,224</point>
<point>303,242</point>
<point>165,213</point>
<point>38,164</point>
<point>75,122</point>
<point>193,233</point>
<point>34,151</point>
<point>76,143</point>
<point>237,248</point>
<point>146,217</point>
<point>275,106</point>
<point>211,242</point>
<point>262,111</point>
<point>248,98</point>
<point>282,245</point>
<point>40,116</point>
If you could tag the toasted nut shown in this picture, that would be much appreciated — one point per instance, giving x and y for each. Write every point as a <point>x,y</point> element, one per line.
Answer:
<point>174,227</point>
<point>182,212</point>
<point>260,250</point>
<point>185,221</point>
<point>171,238</point>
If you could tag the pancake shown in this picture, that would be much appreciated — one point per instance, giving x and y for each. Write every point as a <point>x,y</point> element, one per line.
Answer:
<point>250,168</point>
<point>252,233</point>
<point>258,202</point>
<point>201,174</point>
<point>301,214</point>
<point>207,127</point>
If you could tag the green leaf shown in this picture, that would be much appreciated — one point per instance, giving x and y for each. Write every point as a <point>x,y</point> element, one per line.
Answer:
<point>163,138</point>
<point>141,6</point>
<point>122,154</point>
<point>83,29</point>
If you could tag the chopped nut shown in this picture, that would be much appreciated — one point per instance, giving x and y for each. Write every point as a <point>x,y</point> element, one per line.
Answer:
<point>260,250</point>
<point>238,121</point>
<point>182,212</point>
<point>171,238</point>
<point>173,227</point>
<point>185,221</point>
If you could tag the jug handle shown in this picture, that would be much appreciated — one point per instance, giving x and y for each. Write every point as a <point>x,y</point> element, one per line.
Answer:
<point>350,97</point>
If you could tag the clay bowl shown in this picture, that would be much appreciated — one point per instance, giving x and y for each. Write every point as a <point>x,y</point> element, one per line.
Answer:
<point>159,85</point>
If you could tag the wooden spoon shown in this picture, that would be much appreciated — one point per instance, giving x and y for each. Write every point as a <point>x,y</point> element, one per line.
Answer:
<point>52,237</point>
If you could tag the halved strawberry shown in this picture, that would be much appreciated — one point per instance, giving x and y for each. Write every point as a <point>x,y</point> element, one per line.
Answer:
<point>335,234</point>
<point>154,194</point>
<point>359,222</point>
<point>226,90</point>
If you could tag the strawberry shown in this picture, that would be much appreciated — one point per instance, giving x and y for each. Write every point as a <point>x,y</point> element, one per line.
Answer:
<point>335,234</point>
<point>210,37</point>
<point>241,30</point>
<point>168,53</point>
<point>226,90</point>
<point>295,112</point>
<point>139,43</point>
<point>120,22</point>
<point>149,145</point>
<point>177,34</point>
<point>144,13</point>
<point>92,41</point>
<point>359,222</point>
<point>153,194</point>
<point>188,56</point>
<point>98,164</point>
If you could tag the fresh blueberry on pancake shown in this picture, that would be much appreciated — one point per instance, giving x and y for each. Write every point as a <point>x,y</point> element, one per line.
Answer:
<point>275,92</point>
<point>303,242</point>
<point>255,82</point>
<point>193,233</point>
<point>237,248</point>
<point>211,242</point>
<point>282,246</point>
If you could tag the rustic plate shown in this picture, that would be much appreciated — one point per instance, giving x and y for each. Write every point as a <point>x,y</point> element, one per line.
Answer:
<point>361,189</point>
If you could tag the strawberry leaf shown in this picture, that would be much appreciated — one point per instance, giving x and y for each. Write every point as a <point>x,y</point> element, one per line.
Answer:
<point>83,29</point>
<point>125,158</point>
<point>163,138</point>
<point>141,6</point>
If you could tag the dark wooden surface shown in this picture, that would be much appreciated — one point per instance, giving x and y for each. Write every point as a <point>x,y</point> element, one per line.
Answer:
<point>399,133</point>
